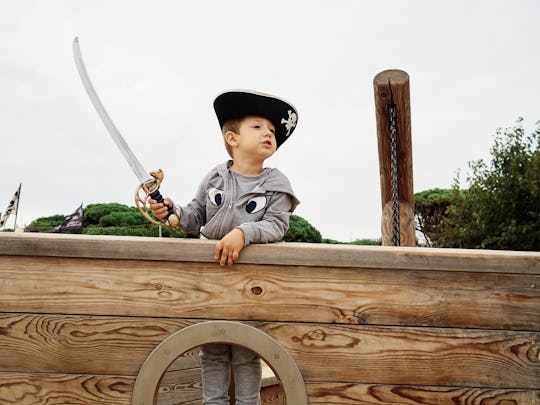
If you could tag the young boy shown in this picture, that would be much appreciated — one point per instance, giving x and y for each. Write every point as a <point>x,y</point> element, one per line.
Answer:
<point>238,203</point>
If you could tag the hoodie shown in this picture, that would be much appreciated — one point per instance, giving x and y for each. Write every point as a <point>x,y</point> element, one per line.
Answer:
<point>261,206</point>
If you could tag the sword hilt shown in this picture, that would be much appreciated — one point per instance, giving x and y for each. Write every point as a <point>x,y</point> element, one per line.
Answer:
<point>171,218</point>
<point>151,190</point>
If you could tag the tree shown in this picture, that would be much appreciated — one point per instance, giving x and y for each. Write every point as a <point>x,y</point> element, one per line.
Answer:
<point>430,209</point>
<point>501,208</point>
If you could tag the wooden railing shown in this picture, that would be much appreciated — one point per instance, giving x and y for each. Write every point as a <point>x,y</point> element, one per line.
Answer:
<point>365,325</point>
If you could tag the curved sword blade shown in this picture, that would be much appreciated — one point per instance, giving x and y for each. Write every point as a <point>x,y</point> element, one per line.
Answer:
<point>134,163</point>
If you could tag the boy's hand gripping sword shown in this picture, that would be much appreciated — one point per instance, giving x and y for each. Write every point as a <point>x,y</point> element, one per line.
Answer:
<point>149,183</point>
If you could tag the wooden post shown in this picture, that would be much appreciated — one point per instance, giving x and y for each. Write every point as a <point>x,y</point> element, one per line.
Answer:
<point>394,85</point>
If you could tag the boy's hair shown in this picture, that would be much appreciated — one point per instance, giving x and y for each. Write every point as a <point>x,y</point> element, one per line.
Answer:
<point>230,125</point>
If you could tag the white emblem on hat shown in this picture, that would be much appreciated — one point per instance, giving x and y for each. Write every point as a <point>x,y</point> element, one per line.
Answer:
<point>290,122</point>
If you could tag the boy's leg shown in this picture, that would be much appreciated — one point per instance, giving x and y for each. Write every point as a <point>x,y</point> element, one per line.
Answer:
<point>215,374</point>
<point>247,376</point>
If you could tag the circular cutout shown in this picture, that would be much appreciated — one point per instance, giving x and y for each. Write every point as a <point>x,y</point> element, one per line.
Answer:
<point>157,362</point>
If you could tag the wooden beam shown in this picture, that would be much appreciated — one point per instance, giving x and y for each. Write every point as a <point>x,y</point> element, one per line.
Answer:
<point>393,86</point>
<point>293,254</point>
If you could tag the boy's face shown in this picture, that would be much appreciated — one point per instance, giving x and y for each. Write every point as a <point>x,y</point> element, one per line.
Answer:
<point>255,138</point>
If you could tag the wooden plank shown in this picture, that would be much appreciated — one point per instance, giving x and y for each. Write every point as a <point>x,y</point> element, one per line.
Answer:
<point>302,254</point>
<point>425,356</point>
<point>350,353</point>
<point>270,293</point>
<point>366,394</point>
<point>45,389</point>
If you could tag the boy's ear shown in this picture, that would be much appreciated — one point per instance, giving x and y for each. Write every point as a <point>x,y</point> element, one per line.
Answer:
<point>230,138</point>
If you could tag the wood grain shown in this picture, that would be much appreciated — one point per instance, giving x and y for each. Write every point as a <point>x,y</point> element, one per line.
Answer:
<point>187,361</point>
<point>350,353</point>
<point>63,389</point>
<point>179,387</point>
<point>426,356</point>
<point>77,344</point>
<point>46,389</point>
<point>406,222</point>
<point>270,293</point>
<point>365,394</point>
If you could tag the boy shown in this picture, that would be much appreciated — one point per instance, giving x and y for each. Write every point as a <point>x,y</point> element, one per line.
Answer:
<point>240,202</point>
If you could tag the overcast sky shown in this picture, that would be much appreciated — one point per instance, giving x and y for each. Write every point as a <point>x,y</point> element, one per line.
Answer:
<point>157,66</point>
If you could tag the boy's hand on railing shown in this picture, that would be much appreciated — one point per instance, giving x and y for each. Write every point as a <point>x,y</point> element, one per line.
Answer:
<point>229,247</point>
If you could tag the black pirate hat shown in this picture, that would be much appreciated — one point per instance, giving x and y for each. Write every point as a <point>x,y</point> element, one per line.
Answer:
<point>241,103</point>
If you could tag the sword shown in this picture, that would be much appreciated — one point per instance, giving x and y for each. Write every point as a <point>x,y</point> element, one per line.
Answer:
<point>149,183</point>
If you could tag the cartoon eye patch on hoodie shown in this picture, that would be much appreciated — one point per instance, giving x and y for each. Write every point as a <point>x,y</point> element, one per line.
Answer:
<point>252,206</point>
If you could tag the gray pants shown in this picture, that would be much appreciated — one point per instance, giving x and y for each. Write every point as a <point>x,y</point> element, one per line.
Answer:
<point>216,365</point>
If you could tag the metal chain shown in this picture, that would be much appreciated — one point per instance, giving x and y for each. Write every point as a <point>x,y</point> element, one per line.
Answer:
<point>392,118</point>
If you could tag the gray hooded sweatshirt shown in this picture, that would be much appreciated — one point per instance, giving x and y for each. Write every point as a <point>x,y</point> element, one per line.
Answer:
<point>261,206</point>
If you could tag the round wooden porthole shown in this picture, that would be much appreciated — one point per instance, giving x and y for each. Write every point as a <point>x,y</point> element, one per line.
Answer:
<point>157,363</point>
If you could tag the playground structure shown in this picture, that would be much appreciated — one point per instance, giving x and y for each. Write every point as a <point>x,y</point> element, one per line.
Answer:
<point>80,315</point>
<point>117,320</point>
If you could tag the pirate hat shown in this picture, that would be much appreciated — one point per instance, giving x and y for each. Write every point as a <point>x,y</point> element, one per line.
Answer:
<point>241,103</point>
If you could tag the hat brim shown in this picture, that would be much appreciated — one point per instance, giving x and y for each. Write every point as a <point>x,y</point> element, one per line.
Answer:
<point>242,103</point>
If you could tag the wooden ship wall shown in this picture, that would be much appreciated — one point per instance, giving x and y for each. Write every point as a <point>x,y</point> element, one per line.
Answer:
<point>80,315</point>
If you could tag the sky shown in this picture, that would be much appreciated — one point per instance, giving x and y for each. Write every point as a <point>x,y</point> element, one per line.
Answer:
<point>158,65</point>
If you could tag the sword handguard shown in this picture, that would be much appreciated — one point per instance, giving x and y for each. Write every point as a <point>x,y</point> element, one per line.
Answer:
<point>151,190</point>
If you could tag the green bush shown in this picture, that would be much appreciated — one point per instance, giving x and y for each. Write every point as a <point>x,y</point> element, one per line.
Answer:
<point>121,220</point>
<point>93,213</point>
<point>45,224</point>
<point>301,230</point>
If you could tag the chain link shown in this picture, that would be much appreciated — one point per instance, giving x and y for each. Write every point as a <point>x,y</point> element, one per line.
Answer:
<point>392,121</point>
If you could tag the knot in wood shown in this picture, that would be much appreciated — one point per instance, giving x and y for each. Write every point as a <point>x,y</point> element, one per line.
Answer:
<point>256,290</point>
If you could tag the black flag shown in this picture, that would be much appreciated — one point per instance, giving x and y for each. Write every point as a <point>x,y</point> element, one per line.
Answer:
<point>73,221</point>
<point>12,206</point>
